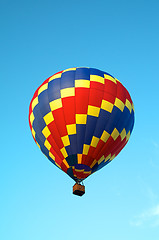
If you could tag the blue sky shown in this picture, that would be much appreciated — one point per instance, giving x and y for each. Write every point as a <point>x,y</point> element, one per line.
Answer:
<point>38,39</point>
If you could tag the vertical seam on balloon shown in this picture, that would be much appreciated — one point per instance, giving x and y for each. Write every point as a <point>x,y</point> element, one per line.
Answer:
<point>124,124</point>
<point>47,125</point>
<point>132,124</point>
<point>81,143</point>
<point>56,129</point>
<point>42,118</point>
<point>63,112</point>
<point>33,114</point>
<point>115,147</point>
<point>86,119</point>
<point>39,110</point>
<point>75,111</point>
<point>54,149</point>
<point>38,122</point>
<point>101,150</point>
<point>128,120</point>
<point>96,126</point>
<point>39,142</point>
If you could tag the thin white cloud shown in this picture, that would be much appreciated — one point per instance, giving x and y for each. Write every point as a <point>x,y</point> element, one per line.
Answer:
<point>147,218</point>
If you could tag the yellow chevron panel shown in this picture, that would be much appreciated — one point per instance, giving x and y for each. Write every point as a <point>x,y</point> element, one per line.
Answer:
<point>34,102</point>
<point>123,134</point>
<point>112,157</point>
<point>107,106</point>
<point>115,134</point>
<point>101,159</point>
<point>32,118</point>
<point>48,118</point>
<point>93,111</point>
<point>67,92</point>
<point>96,78</point>
<point>82,83</point>
<point>65,140</point>
<point>81,118</point>
<point>128,136</point>
<point>42,88</point>
<point>46,132</point>
<point>58,75</point>
<point>33,132</point>
<point>93,163</point>
<point>64,153</point>
<point>128,105</point>
<point>119,104</point>
<point>71,129</point>
<point>107,158</point>
<point>56,104</point>
<point>52,156</point>
<point>105,136</point>
<point>85,149</point>
<point>109,78</point>
<point>69,69</point>
<point>47,144</point>
<point>94,141</point>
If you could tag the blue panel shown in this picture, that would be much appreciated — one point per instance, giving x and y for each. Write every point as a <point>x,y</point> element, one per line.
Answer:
<point>68,150</point>
<point>129,123</point>
<point>102,164</point>
<point>54,89</point>
<point>94,169</point>
<point>72,160</point>
<point>90,127</point>
<point>54,85</point>
<point>40,138</point>
<point>44,103</point>
<point>73,143</point>
<point>82,167</point>
<point>131,126</point>
<point>94,71</point>
<point>80,136</point>
<point>45,150</point>
<point>54,95</point>
<point>38,123</point>
<point>68,79</point>
<point>114,118</point>
<point>82,73</point>
<point>51,160</point>
<point>133,120</point>
<point>121,123</point>
<point>98,167</point>
<point>70,173</point>
<point>102,121</point>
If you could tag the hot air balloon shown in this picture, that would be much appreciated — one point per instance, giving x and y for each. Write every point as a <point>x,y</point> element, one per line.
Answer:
<point>81,118</point>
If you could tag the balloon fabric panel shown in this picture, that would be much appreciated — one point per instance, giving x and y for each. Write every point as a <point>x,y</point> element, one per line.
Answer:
<point>81,118</point>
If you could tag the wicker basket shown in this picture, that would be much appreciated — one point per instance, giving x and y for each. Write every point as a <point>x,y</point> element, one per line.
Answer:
<point>78,189</point>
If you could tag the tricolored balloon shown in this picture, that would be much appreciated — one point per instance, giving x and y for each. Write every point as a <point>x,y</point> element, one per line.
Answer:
<point>81,118</point>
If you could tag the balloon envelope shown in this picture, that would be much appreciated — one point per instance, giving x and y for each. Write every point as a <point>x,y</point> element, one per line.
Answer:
<point>81,118</point>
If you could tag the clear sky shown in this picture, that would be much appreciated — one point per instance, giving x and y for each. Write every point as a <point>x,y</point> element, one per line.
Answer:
<point>38,39</point>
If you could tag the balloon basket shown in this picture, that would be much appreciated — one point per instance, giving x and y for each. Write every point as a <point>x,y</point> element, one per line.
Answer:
<point>78,189</point>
